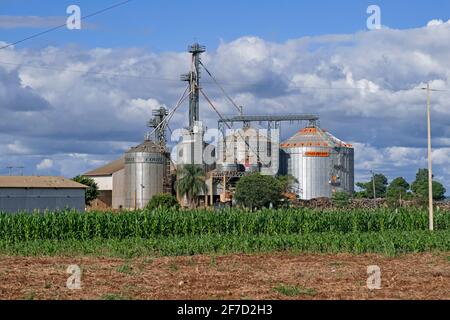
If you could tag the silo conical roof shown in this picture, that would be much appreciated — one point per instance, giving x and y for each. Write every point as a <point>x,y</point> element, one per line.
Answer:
<point>146,146</point>
<point>313,137</point>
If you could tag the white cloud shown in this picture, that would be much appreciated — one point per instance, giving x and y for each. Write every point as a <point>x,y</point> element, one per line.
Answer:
<point>437,22</point>
<point>45,164</point>
<point>365,86</point>
<point>17,148</point>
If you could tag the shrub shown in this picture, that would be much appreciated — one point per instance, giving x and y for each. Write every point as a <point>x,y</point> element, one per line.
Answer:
<point>341,199</point>
<point>163,201</point>
<point>258,191</point>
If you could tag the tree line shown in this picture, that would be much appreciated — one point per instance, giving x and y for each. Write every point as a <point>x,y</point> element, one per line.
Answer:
<point>399,189</point>
<point>259,191</point>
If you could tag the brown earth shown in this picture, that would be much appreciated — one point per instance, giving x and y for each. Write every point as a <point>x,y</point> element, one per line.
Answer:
<point>418,276</point>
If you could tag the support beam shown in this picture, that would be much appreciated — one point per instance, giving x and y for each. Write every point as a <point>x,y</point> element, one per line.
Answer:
<point>270,118</point>
<point>211,191</point>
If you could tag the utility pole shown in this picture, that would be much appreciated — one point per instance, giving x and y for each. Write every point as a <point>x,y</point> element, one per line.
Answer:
<point>430,161</point>
<point>21,170</point>
<point>10,168</point>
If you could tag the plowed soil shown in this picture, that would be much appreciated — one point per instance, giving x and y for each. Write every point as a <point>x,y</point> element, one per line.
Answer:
<point>418,276</point>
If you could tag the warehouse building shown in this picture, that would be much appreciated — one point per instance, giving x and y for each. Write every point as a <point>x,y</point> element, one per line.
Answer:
<point>110,180</point>
<point>28,194</point>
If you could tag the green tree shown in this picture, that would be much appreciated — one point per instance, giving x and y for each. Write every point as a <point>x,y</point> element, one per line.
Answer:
<point>381,183</point>
<point>92,191</point>
<point>398,188</point>
<point>165,201</point>
<point>287,183</point>
<point>420,187</point>
<point>397,191</point>
<point>191,183</point>
<point>258,191</point>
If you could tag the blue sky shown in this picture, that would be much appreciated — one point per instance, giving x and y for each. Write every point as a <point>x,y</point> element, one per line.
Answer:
<point>74,117</point>
<point>170,24</point>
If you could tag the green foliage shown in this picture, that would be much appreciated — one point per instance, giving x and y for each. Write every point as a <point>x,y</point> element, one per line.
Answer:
<point>163,201</point>
<point>360,195</point>
<point>294,291</point>
<point>341,199</point>
<point>398,187</point>
<point>420,187</point>
<point>169,232</point>
<point>258,191</point>
<point>92,191</point>
<point>397,192</point>
<point>113,296</point>
<point>381,183</point>
<point>388,243</point>
<point>125,268</point>
<point>287,183</point>
<point>71,225</point>
<point>191,182</point>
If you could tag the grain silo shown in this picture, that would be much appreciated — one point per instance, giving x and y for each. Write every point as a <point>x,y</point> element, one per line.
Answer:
<point>321,163</point>
<point>145,174</point>
<point>248,149</point>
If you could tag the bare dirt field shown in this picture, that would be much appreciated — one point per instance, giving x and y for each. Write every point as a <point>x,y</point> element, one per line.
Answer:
<point>268,276</point>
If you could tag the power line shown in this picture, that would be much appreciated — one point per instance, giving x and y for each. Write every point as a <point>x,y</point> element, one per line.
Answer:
<point>223,90</point>
<point>63,25</point>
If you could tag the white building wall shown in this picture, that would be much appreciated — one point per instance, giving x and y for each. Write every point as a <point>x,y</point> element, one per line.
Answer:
<point>118,190</point>
<point>104,183</point>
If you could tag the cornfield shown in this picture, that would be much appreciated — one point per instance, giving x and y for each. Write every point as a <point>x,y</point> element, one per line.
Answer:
<point>389,243</point>
<point>196,223</point>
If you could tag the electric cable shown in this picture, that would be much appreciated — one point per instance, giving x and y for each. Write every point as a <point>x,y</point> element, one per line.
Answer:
<point>223,90</point>
<point>65,24</point>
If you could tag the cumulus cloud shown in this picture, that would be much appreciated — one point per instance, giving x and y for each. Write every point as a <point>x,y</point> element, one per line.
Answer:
<point>45,164</point>
<point>365,86</point>
<point>436,22</point>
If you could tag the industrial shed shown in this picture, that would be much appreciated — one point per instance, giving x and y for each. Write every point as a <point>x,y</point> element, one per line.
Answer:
<point>28,194</point>
<point>110,180</point>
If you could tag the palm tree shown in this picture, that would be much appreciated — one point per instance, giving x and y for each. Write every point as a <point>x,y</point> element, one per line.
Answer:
<point>191,183</point>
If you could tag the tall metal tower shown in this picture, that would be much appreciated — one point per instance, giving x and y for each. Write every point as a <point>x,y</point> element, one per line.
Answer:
<point>193,77</point>
<point>160,126</point>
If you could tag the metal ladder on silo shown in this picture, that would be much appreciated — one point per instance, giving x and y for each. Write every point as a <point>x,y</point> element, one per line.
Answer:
<point>167,181</point>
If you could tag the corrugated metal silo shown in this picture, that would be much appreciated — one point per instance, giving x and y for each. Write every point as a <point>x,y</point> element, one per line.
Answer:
<point>321,163</point>
<point>249,149</point>
<point>145,170</point>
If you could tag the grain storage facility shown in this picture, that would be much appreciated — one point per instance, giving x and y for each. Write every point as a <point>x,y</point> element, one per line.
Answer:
<point>321,163</point>
<point>29,194</point>
<point>248,149</point>
<point>147,170</point>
